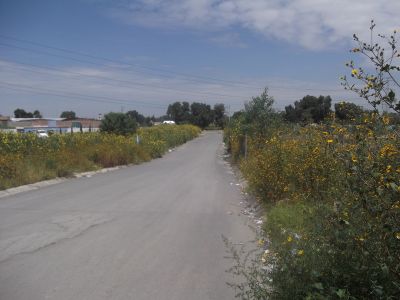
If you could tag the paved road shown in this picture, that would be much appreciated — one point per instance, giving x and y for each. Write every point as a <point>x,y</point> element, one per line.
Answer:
<point>151,231</point>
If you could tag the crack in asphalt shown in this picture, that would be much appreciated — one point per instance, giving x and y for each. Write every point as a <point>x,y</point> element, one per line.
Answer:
<point>67,227</point>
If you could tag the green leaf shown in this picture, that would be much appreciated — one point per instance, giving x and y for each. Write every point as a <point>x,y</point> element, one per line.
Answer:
<point>394,186</point>
<point>318,286</point>
<point>391,96</point>
<point>380,191</point>
<point>385,269</point>
<point>341,293</point>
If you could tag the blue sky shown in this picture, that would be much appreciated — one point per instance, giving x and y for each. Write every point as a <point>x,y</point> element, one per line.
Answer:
<point>96,56</point>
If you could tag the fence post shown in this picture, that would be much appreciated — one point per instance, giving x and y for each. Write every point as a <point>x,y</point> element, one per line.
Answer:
<point>245,146</point>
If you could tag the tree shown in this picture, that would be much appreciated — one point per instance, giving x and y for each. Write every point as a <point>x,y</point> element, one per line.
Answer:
<point>219,114</point>
<point>309,109</point>
<point>175,112</point>
<point>201,114</point>
<point>37,114</point>
<point>69,115</point>
<point>21,113</point>
<point>347,111</point>
<point>139,118</point>
<point>186,111</point>
<point>379,86</point>
<point>258,113</point>
<point>118,123</point>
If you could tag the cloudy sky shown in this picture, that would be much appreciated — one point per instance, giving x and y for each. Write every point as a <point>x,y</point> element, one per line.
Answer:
<point>96,56</point>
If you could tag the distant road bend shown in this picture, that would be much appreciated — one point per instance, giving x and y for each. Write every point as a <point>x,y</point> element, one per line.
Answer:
<point>151,231</point>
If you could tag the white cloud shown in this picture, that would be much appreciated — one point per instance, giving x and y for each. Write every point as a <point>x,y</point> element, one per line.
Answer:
<point>313,24</point>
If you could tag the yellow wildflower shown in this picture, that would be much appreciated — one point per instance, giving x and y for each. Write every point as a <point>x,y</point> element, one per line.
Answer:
<point>386,120</point>
<point>289,239</point>
<point>388,150</point>
<point>396,205</point>
<point>300,252</point>
<point>329,141</point>
<point>354,72</point>
<point>388,169</point>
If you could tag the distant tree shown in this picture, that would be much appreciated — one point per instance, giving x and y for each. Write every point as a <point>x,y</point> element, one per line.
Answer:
<point>186,112</point>
<point>37,114</point>
<point>148,122</point>
<point>179,112</point>
<point>139,118</point>
<point>69,115</point>
<point>201,114</point>
<point>175,112</point>
<point>21,113</point>
<point>118,123</point>
<point>219,114</point>
<point>309,109</point>
<point>347,111</point>
<point>237,115</point>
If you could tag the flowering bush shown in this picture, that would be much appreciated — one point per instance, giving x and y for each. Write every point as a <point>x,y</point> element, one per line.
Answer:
<point>26,158</point>
<point>332,194</point>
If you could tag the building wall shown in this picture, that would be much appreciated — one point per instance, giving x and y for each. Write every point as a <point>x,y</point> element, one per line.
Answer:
<point>86,123</point>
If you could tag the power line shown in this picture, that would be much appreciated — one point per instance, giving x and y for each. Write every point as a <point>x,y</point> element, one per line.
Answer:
<point>146,103</point>
<point>122,81</point>
<point>64,94</point>
<point>186,75</point>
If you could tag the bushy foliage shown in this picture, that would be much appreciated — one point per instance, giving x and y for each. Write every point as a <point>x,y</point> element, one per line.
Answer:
<point>69,115</point>
<point>257,118</point>
<point>219,115</point>
<point>26,158</point>
<point>21,113</point>
<point>332,192</point>
<point>348,112</point>
<point>140,119</point>
<point>258,113</point>
<point>310,109</point>
<point>333,217</point>
<point>118,123</point>
<point>158,139</point>
<point>201,114</point>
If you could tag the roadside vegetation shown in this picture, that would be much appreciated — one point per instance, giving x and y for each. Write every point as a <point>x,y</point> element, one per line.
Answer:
<point>26,158</point>
<point>330,184</point>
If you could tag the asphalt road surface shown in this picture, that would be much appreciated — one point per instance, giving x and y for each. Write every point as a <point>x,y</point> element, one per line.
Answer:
<point>151,231</point>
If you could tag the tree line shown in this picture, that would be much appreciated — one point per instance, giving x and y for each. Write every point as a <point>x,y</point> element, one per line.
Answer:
<point>199,114</point>
<point>312,109</point>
